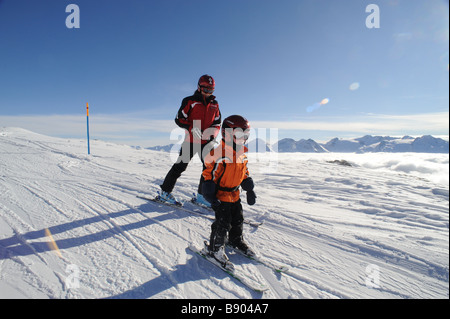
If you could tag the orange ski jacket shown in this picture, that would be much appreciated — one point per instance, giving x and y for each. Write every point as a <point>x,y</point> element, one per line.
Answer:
<point>227,168</point>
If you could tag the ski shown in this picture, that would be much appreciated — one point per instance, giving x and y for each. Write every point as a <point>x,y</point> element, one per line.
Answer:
<point>180,205</point>
<point>158,199</point>
<point>246,281</point>
<point>259,260</point>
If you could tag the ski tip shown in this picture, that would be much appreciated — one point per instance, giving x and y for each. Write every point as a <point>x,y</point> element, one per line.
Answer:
<point>261,289</point>
<point>158,199</point>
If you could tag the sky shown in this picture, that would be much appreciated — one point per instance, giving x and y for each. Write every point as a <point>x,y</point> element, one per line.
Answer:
<point>294,68</point>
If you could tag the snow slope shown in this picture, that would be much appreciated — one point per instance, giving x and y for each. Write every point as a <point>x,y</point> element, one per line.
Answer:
<point>72,227</point>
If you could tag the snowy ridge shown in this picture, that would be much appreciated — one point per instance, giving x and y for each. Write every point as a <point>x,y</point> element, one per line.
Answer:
<point>376,229</point>
<point>365,144</point>
<point>369,143</point>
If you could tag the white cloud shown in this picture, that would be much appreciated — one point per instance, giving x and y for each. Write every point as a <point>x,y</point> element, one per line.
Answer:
<point>431,123</point>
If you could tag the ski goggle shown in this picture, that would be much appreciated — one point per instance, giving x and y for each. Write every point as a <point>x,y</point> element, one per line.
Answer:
<point>238,134</point>
<point>207,90</point>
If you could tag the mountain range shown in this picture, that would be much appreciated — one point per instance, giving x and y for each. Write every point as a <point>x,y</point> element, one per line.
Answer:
<point>365,144</point>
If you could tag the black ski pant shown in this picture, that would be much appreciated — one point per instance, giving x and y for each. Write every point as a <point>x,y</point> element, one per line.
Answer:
<point>187,152</point>
<point>229,220</point>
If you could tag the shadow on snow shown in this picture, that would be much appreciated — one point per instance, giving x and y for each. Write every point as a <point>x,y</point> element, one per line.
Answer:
<point>19,245</point>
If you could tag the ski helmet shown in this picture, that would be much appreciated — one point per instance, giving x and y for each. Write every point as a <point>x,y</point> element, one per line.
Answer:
<point>236,125</point>
<point>206,83</point>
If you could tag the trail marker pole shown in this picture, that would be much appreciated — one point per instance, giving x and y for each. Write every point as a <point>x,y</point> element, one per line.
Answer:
<point>87,122</point>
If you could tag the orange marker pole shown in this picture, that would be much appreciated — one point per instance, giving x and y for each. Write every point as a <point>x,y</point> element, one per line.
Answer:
<point>87,122</point>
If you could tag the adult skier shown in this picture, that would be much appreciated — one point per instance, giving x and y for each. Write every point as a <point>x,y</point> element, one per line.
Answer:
<point>200,116</point>
<point>226,171</point>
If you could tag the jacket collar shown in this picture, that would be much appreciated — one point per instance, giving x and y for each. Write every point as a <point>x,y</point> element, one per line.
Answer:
<point>199,97</point>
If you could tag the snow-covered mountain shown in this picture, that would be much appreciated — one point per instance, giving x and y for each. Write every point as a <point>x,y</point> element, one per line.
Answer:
<point>365,144</point>
<point>368,143</point>
<point>304,146</point>
<point>71,225</point>
<point>165,148</point>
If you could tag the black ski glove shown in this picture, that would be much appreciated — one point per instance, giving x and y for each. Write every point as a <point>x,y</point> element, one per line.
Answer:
<point>248,185</point>
<point>251,197</point>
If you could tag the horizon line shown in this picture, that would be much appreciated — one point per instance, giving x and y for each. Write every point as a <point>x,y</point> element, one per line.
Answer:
<point>140,130</point>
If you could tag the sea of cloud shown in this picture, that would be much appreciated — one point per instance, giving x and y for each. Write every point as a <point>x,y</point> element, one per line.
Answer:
<point>433,167</point>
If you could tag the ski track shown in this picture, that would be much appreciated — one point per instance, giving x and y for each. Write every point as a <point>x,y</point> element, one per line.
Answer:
<point>325,222</point>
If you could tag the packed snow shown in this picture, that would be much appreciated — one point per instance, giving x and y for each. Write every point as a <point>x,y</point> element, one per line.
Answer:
<point>71,225</point>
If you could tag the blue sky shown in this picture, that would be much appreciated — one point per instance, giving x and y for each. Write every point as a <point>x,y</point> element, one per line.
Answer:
<point>274,62</point>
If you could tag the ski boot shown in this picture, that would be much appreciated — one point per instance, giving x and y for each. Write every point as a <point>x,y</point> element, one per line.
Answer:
<point>202,201</point>
<point>243,248</point>
<point>168,198</point>
<point>220,255</point>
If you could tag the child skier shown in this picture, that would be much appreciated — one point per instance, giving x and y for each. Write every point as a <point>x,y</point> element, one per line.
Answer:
<point>226,171</point>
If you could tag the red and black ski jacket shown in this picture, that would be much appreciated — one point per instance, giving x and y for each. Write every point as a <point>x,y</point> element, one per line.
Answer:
<point>201,113</point>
